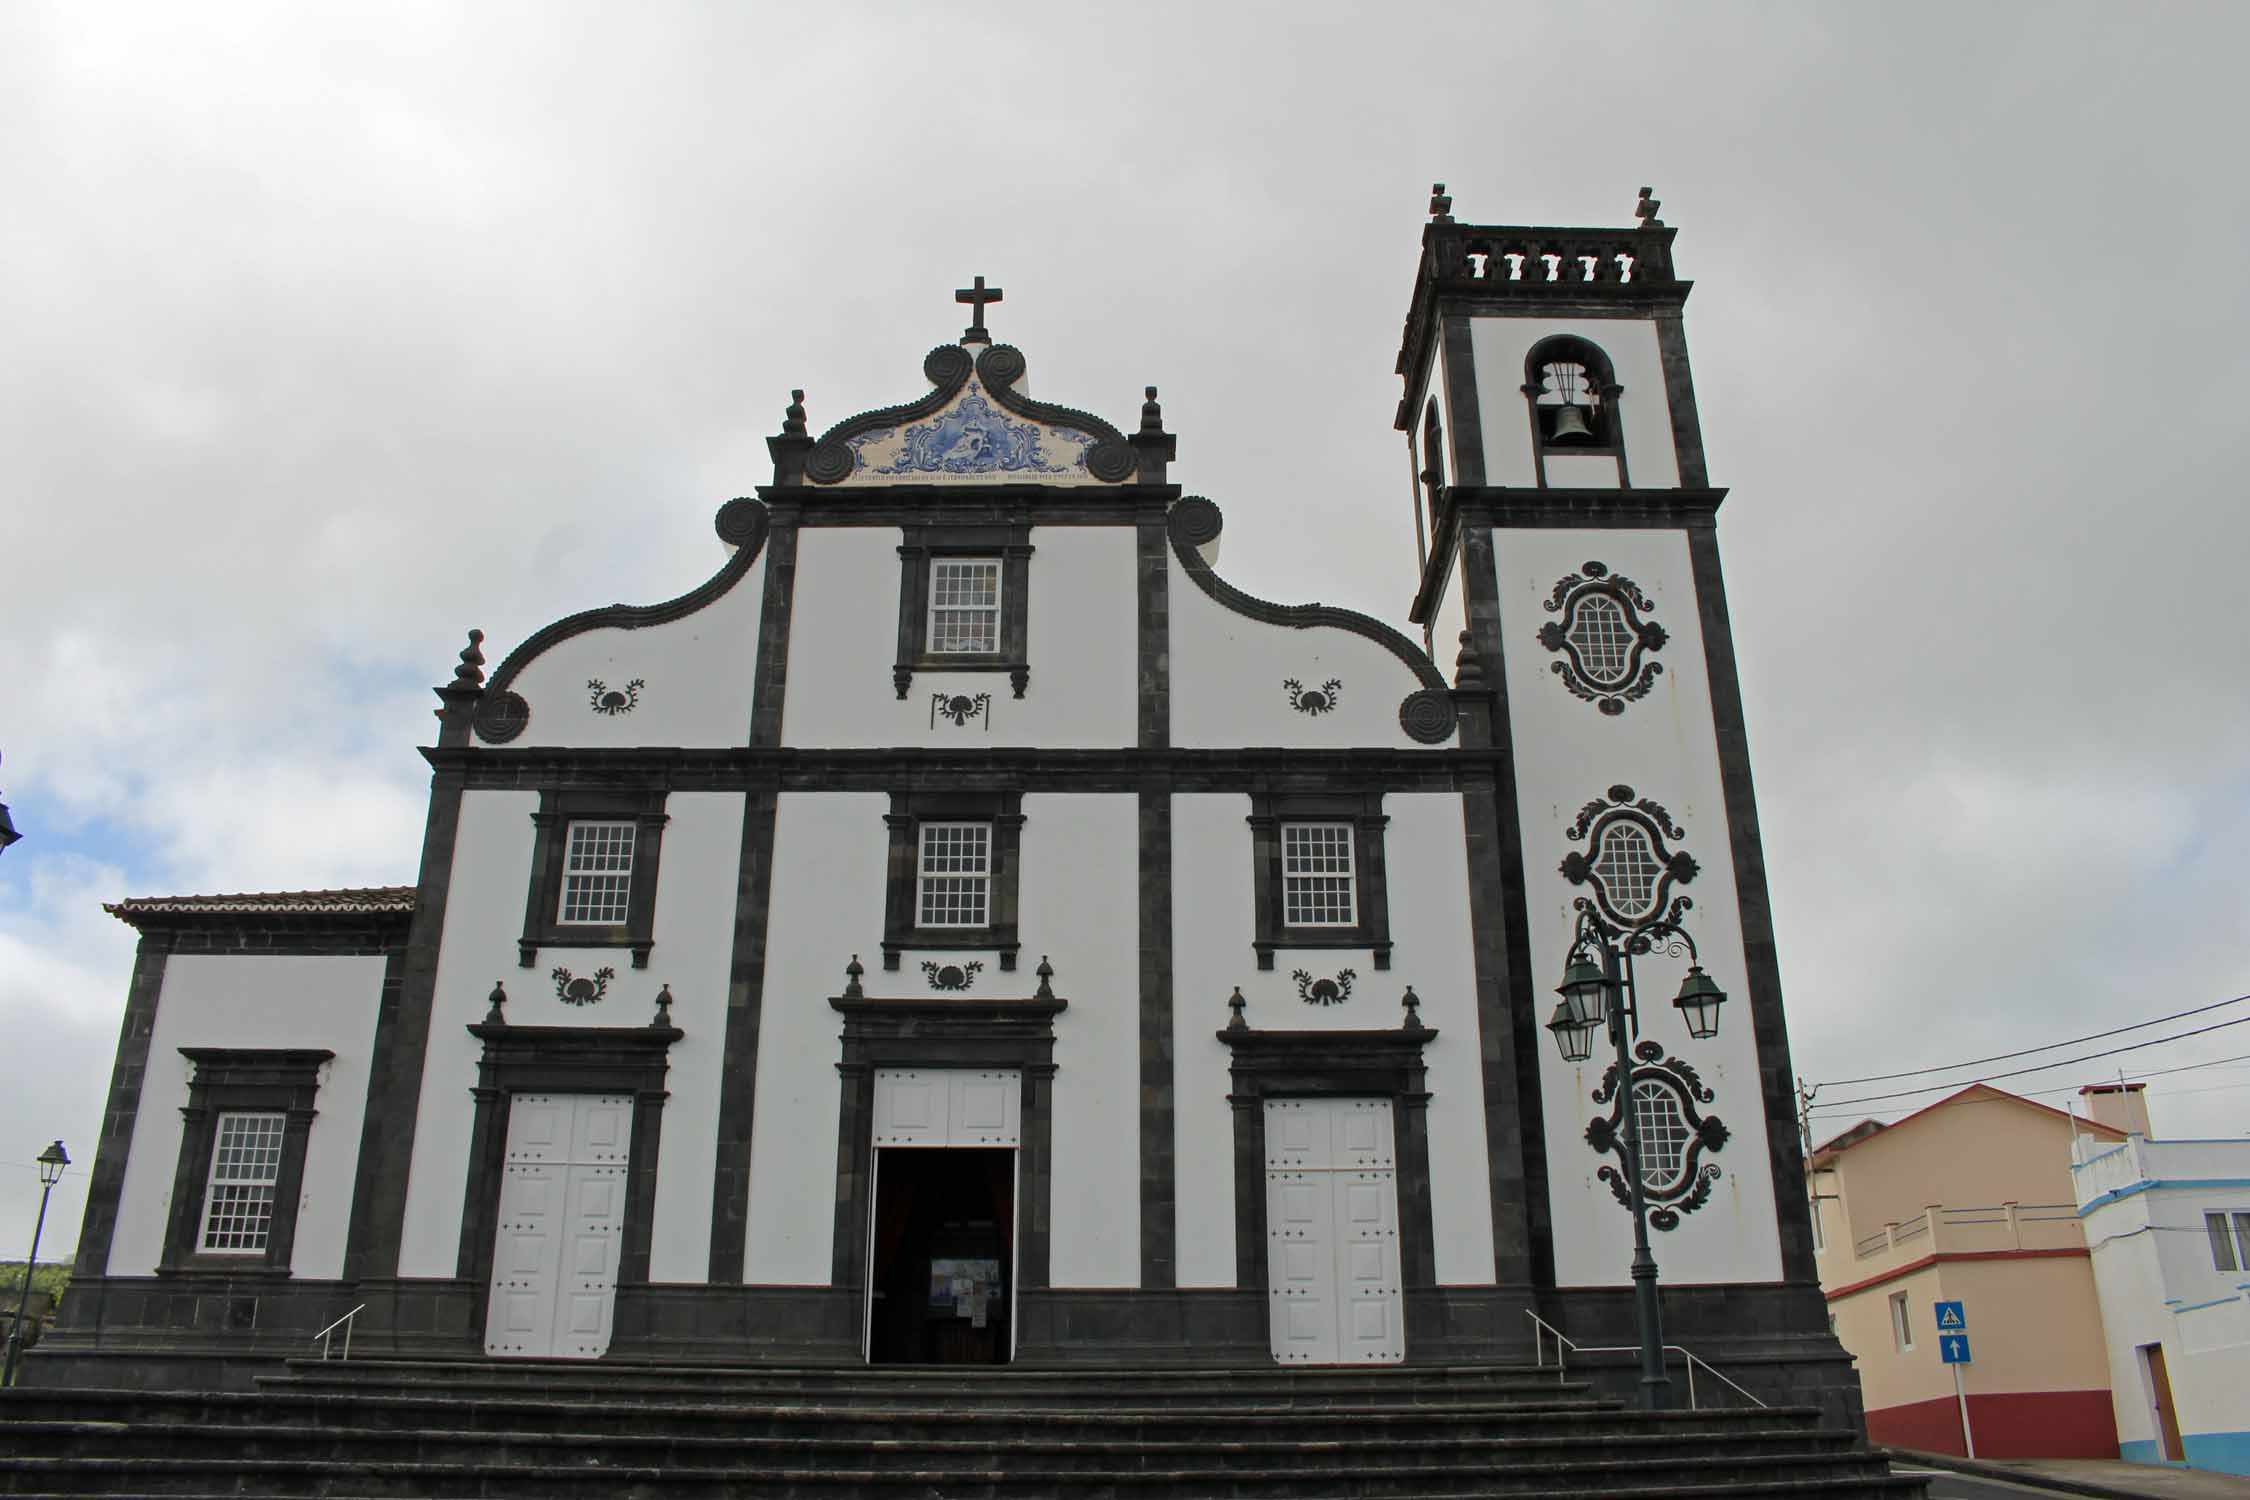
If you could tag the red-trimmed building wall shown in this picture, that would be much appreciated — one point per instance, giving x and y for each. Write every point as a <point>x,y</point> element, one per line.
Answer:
<point>2015,1424</point>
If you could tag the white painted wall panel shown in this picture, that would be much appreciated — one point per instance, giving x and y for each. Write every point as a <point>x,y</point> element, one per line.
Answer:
<point>1082,622</point>
<point>696,675</point>
<point>1080,904</point>
<point>1500,345</point>
<point>1664,747</point>
<point>1212,922</point>
<point>234,1001</point>
<point>1228,671</point>
<point>834,847</point>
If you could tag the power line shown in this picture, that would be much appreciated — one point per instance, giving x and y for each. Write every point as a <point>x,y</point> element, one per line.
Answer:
<point>1837,1111</point>
<point>2068,1062</point>
<point>1978,1062</point>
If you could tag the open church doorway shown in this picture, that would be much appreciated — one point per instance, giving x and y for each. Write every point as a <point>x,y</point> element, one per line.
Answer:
<point>941,1267</point>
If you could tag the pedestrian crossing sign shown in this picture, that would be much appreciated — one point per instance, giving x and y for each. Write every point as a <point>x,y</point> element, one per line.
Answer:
<point>1951,1318</point>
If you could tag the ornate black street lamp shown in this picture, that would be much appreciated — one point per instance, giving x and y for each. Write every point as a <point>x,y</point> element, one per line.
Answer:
<point>51,1164</point>
<point>1597,993</point>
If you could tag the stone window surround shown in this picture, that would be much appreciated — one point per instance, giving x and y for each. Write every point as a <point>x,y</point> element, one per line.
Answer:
<point>1003,810</point>
<point>920,543</point>
<point>1364,811</point>
<point>550,842</point>
<point>231,1080</point>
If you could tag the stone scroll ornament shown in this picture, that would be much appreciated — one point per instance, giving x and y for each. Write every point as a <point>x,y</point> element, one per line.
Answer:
<point>1604,637</point>
<point>1674,1132</point>
<point>614,701</point>
<point>1627,861</point>
<point>951,976</point>
<point>1313,702</point>
<point>960,708</point>
<point>1324,992</point>
<point>580,990</point>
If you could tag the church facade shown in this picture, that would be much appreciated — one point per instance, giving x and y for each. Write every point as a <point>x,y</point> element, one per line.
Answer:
<point>966,928</point>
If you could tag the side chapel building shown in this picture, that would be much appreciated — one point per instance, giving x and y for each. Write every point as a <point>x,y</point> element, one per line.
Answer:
<point>1075,959</point>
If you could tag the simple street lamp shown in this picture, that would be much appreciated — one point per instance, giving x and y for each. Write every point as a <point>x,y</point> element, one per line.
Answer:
<point>51,1164</point>
<point>1597,993</point>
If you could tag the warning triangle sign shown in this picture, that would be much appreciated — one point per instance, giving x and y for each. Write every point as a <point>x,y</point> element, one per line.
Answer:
<point>1949,1316</point>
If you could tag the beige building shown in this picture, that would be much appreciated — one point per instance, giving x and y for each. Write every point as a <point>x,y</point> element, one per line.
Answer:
<point>1969,1200</point>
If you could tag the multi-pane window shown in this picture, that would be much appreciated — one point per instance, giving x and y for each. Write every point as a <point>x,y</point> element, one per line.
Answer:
<point>2230,1240</point>
<point>955,875</point>
<point>238,1204</point>
<point>1664,1135</point>
<point>1604,641</point>
<point>964,606</point>
<point>1628,870</point>
<point>597,873</point>
<point>1316,875</point>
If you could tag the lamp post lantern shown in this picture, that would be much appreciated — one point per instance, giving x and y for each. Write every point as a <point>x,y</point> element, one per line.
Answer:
<point>51,1164</point>
<point>1601,993</point>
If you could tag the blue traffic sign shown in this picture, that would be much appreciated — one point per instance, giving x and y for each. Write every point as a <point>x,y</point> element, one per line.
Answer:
<point>1953,1348</point>
<point>1952,1318</point>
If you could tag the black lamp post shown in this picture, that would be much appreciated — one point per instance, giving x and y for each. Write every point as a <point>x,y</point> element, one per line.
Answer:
<point>51,1164</point>
<point>1598,993</point>
<point>8,834</point>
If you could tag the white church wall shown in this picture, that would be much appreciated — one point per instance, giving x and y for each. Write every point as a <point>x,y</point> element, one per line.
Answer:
<point>1080,904</point>
<point>1212,923</point>
<point>1082,617</point>
<point>693,677</point>
<point>1665,747</point>
<point>1427,866</point>
<point>1499,346</point>
<point>1228,673</point>
<point>262,1002</point>
<point>829,906</point>
<point>483,919</point>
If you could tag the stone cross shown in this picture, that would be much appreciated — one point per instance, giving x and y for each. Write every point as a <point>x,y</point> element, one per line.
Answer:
<point>977,296</point>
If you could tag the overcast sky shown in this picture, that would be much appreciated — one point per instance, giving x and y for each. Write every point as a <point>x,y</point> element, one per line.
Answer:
<point>333,331</point>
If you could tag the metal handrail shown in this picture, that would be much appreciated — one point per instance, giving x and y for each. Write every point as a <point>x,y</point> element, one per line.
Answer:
<point>345,1323</point>
<point>1540,1328</point>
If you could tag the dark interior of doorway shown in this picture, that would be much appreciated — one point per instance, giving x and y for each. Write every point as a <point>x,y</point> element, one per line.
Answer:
<point>944,1253</point>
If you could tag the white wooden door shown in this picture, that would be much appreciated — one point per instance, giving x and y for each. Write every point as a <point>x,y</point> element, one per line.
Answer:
<point>948,1107</point>
<point>561,1223</point>
<point>1332,1272</point>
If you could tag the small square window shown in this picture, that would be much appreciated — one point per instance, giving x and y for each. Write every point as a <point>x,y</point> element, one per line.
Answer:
<point>597,873</point>
<point>954,880</point>
<point>1316,875</point>
<point>1902,1325</point>
<point>964,606</point>
<point>238,1204</point>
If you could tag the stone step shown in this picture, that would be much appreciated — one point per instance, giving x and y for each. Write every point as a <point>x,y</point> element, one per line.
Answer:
<point>1849,1474</point>
<point>1345,1446</point>
<point>407,1413</point>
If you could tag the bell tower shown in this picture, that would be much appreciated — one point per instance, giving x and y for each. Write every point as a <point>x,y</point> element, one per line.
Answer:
<point>1568,538</point>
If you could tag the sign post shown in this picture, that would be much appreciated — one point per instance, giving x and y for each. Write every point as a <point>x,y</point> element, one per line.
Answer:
<point>1953,1348</point>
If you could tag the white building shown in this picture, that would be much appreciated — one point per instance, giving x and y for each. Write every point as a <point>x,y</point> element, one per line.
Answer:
<point>965,927</point>
<point>2168,1223</point>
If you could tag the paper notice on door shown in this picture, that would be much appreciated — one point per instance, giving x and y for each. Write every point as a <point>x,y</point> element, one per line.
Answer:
<point>976,1306</point>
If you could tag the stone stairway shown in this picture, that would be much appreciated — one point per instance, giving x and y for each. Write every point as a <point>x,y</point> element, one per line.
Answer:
<point>441,1429</point>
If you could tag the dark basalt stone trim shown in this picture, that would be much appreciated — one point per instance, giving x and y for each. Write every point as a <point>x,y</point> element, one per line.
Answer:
<point>1029,769</point>
<point>1003,809</point>
<point>776,614</point>
<point>1461,402</point>
<point>394,1071</point>
<point>1196,521</point>
<point>1270,809</point>
<point>1679,394</point>
<point>976,504</point>
<point>322,934</point>
<point>121,1108</point>
<point>1158,1176</point>
<point>1153,630</point>
<point>1364,1064</point>
<point>738,1064</point>
<point>561,1060</point>
<point>1769,1026</point>
<point>921,543</point>
<point>1515,1129</point>
<point>228,1078</point>
<point>944,1033</point>
<point>502,714</point>
<point>1109,458</point>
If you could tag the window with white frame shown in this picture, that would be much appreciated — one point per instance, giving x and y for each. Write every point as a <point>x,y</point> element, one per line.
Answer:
<point>1316,875</point>
<point>238,1201</point>
<point>964,606</point>
<point>597,873</point>
<point>1902,1325</point>
<point>954,881</point>
<point>2230,1240</point>
<point>1664,1135</point>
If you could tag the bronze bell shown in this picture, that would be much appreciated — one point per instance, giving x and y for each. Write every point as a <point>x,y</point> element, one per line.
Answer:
<point>1570,424</point>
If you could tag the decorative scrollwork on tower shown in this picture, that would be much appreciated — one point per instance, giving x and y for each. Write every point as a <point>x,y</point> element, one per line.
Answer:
<point>1604,638</point>
<point>1627,862</point>
<point>1674,1135</point>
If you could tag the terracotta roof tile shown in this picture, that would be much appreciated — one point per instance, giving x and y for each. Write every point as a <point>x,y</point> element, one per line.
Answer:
<point>379,900</point>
